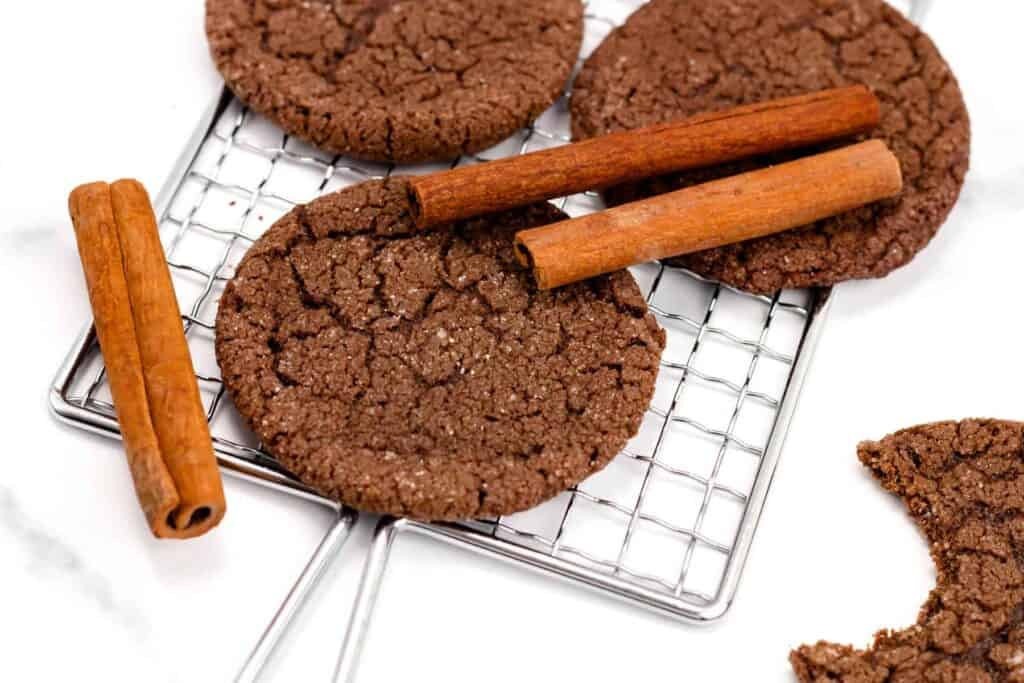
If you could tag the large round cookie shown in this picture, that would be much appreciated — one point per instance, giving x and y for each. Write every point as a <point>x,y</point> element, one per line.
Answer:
<point>674,59</point>
<point>422,374</point>
<point>963,483</point>
<point>396,80</point>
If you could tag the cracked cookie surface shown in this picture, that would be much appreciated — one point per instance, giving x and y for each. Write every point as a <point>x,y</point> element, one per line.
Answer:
<point>396,80</point>
<point>963,483</point>
<point>422,374</point>
<point>676,59</point>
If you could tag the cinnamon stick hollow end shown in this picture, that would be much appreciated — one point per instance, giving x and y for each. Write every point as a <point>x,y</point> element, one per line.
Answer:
<point>541,273</point>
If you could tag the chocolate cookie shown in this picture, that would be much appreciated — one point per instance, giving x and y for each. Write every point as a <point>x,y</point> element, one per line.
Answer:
<point>675,59</point>
<point>423,374</point>
<point>963,484</point>
<point>397,80</point>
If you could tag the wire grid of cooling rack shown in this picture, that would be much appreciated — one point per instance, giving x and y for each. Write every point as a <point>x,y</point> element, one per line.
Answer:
<point>667,524</point>
<point>677,494</point>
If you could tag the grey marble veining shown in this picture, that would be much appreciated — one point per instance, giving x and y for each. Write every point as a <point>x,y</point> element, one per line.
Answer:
<point>46,556</point>
<point>16,238</point>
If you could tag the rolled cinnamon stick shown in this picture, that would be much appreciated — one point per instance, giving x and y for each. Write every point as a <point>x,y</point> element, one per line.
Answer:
<point>608,160</point>
<point>155,392</point>
<point>171,387</point>
<point>713,214</point>
<point>100,251</point>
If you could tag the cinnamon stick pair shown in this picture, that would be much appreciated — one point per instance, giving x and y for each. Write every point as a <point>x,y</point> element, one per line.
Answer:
<point>156,396</point>
<point>723,212</point>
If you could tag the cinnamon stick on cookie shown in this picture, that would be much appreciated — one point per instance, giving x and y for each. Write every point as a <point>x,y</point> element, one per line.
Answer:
<point>726,211</point>
<point>163,424</point>
<point>695,142</point>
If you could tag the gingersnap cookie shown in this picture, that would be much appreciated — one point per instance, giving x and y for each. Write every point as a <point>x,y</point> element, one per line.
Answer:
<point>676,59</point>
<point>963,483</point>
<point>422,374</point>
<point>396,80</point>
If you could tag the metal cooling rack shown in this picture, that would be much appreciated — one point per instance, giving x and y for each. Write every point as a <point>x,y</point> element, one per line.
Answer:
<point>706,523</point>
<point>667,525</point>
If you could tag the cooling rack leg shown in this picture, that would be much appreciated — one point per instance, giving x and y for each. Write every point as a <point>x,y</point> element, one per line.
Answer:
<point>325,552</point>
<point>369,588</point>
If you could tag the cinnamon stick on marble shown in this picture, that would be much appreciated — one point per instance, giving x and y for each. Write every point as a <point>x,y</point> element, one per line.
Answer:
<point>100,251</point>
<point>713,214</point>
<point>607,160</point>
<point>156,397</point>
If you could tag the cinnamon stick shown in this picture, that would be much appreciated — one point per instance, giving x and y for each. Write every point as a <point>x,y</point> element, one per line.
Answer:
<point>156,397</point>
<point>721,212</point>
<point>608,160</point>
<point>100,251</point>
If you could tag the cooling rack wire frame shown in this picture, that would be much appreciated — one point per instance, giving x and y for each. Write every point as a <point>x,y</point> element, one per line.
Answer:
<point>687,492</point>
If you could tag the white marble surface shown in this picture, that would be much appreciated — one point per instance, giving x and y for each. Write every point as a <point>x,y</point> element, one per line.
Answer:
<point>87,594</point>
